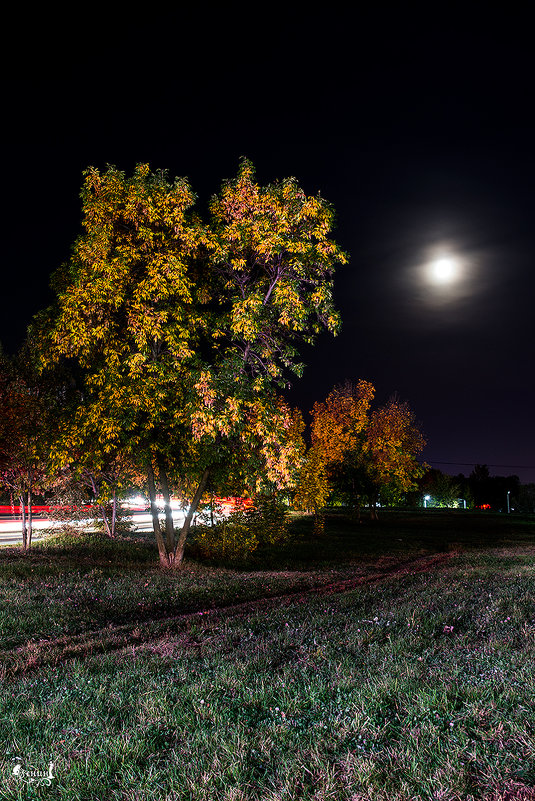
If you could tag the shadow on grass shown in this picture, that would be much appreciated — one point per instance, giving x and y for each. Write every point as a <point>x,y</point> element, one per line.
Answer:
<point>396,534</point>
<point>66,551</point>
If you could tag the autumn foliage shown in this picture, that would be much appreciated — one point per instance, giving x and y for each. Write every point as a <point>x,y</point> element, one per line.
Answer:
<point>180,333</point>
<point>167,350</point>
<point>357,453</point>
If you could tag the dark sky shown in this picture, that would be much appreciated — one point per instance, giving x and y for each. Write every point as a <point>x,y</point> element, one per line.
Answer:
<point>420,131</point>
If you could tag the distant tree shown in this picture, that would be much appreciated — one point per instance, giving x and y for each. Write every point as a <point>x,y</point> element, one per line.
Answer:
<point>493,491</point>
<point>526,498</point>
<point>22,435</point>
<point>465,490</point>
<point>392,446</point>
<point>359,453</point>
<point>338,423</point>
<point>443,490</point>
<point>336,434</point>
<point>502,490</point>
<point>479,482</point>
<point>352,479</point>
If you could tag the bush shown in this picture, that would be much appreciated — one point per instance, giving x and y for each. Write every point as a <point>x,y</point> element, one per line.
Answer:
<point>243,532</point>
<point>269,520</point>
<point>228,540</point>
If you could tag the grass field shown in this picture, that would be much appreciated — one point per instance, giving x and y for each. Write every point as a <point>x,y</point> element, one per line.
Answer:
<point>392,661</point>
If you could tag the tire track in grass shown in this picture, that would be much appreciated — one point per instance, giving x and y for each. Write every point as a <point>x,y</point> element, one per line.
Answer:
<point>34,655</point>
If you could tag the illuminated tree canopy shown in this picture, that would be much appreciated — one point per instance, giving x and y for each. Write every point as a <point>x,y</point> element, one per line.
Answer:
<point>182,332</point>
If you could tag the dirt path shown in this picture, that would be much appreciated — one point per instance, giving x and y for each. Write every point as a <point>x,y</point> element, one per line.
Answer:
<point>34,655</point>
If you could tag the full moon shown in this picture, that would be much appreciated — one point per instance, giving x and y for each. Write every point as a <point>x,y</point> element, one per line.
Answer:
<point>444,270</point>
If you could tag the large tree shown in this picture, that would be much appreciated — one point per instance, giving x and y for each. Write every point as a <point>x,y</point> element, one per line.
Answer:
<point>272,264</point>
<point>126,321</point>
<point>182,332</point>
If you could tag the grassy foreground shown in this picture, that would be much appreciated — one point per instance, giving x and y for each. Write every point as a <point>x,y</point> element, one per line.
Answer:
<point>418,686</point>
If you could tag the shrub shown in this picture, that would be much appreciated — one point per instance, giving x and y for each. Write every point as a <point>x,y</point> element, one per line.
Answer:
<point>269,521</point>
<point>228,540</point>
<point>241,533</point>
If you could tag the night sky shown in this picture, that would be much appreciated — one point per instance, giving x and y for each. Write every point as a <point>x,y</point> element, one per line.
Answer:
<point>419,131</point>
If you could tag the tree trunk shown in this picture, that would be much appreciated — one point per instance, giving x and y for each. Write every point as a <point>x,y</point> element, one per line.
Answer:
<point>104,516</point>
<point>164,558</point>
<point>114,513</point>
<point>30,519</point>
<point>22,502</point>
<point>169,524</point>
<point>319,522</point>
<point>181,544</point>
<point>100,506</point>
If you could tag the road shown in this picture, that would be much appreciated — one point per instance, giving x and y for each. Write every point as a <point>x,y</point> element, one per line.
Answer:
<point>10,527</point>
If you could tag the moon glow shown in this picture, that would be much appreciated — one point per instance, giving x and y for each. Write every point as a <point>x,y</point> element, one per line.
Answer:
<point>444,270</point>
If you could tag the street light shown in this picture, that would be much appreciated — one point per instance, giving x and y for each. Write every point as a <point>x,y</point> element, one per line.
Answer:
<point>426,498</point>
<point>508,504</point>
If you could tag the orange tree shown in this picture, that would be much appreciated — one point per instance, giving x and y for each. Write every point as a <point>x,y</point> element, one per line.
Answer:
<point>184,331</point>
<point>336,429</point>
<point>358,453</point>
<point>390,453</point>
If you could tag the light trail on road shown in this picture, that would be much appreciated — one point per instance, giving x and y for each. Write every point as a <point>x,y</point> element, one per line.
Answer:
<point>10,529</point>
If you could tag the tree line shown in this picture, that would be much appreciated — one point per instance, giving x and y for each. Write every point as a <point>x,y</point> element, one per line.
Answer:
<point>479,489</point>
<point>164,359</point>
